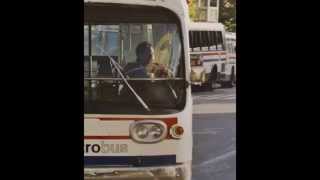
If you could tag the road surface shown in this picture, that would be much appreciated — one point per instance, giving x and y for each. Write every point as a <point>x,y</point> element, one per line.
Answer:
<point>214,135</point>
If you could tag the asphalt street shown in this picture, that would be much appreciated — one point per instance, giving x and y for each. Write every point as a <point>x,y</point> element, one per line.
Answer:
<point>214,135</point>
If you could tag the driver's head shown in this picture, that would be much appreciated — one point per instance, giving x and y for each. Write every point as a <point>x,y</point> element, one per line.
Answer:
<point>144,53</point>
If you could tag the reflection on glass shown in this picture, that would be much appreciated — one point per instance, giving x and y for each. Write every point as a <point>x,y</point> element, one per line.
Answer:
<point>158,76</point>
<point>120,43</point>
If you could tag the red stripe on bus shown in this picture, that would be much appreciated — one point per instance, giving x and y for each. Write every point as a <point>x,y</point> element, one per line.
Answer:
<point>168,121</point>
<point>112,137</point>
<point>123,118</point>
<point>214,53</point>
<point>106,137</point>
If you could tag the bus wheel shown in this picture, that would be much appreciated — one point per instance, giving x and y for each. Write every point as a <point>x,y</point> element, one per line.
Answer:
<point>232,81</point>
<point>213,80</point>
<point>232,78</point>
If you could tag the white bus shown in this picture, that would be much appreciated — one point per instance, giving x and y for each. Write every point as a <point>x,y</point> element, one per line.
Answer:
<point>137,125</point>
<point>230,75</point>
<point>208,53</point>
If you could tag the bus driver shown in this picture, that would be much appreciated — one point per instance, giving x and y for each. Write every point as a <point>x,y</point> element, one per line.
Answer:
<point>145,55</point>
<point>145,67</point>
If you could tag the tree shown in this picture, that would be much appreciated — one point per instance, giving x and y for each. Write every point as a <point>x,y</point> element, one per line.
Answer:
<point>227,14</point>
<point>193,9</point>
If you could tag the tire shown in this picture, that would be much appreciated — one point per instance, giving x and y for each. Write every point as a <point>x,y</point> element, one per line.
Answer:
<point>232,82</point>
<point>212,84</point>
<point>233,79</point>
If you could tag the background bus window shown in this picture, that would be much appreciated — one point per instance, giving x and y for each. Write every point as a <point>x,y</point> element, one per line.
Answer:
<point>197,42</point>
<point>210,40</point>
<point>191,40</point>
<point>200,42</point>
<point>205,41</point>
<point>220,46</point>
<point>213,44</point>
<point>194,43</point>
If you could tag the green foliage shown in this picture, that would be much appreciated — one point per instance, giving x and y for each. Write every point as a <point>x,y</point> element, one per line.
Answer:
<point>227,14</point>
<point>193,9</point>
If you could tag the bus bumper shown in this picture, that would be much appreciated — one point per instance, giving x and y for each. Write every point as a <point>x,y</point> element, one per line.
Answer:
<point>198,76</point>
<point>197,83</point>
<point>177,172</point>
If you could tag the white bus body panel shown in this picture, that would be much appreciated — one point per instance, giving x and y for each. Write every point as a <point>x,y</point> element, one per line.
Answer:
<point>182,148</point>
<point>231,56</point>
<point>217,57</point>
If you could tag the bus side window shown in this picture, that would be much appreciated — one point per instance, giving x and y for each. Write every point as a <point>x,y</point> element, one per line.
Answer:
<point>214,40</point>
<point>191,40</point>
<point>197,41</point>
<point>205,41</point>
<point>200,42</point>
<point>219,41</point>
<point>210,40</point>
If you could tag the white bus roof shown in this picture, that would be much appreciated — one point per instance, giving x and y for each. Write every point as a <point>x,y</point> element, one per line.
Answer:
<point>204,26</point>
<point>180,7</point>
<point>230,35</point>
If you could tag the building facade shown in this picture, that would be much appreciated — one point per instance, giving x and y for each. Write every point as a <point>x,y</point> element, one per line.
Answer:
<point>206,10</point>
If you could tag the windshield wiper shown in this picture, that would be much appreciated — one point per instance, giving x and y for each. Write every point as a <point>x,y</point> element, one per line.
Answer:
<point>172,91</point>
<point>119,68</point>
<point>116,65</point>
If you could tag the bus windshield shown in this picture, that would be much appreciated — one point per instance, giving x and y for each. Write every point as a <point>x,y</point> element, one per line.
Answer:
<point>133,67</point>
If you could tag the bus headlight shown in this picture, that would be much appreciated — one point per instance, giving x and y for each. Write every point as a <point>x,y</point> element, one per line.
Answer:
<point>142,132</point>
<point>149,131</point>
<point>156,131</point>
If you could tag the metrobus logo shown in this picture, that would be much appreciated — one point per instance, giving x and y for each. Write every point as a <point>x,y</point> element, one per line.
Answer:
<point>105,148</point>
